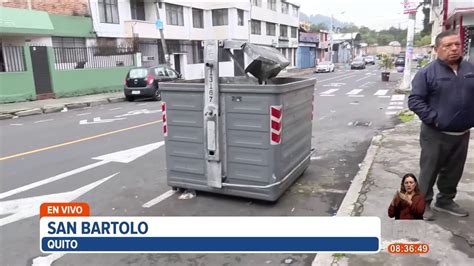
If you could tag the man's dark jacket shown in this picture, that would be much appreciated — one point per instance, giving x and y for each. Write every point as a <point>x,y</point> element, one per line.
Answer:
<point>441,97</point>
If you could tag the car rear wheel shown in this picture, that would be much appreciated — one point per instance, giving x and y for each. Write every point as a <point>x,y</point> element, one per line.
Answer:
<point>129,98</point>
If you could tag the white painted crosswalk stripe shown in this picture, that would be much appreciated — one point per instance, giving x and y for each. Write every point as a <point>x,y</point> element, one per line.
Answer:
<point>391,113</point>
<point>328,92</point>
<point>381,92</point>
<point>354,92</point>
<point>395,107</point>
<point>396,103</point>
<point>398,97</point>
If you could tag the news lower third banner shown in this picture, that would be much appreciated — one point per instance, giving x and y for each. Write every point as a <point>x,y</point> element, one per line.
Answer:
<point>64,231</point>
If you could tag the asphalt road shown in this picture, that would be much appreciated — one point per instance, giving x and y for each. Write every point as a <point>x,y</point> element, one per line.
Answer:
<point>60,157</point>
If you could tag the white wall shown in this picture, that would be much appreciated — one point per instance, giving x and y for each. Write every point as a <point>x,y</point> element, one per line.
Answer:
<point>468,20</point>
<point>457,4</point>
<point>107,29</point>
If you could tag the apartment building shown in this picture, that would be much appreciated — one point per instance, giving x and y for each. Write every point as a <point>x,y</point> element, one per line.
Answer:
<point>455,15</point>
<point>275,23</point>
<point>187,23</point>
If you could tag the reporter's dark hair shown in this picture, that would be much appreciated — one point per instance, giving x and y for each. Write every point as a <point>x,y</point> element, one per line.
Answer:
<point>443,34</point>
<point>402,186</point>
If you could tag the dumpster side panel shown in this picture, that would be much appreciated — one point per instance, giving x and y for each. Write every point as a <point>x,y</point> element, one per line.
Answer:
<point>248,149</point>
<point>185,141</point>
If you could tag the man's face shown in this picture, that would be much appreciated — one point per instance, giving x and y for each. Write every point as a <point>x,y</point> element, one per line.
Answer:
<point>449,49</point>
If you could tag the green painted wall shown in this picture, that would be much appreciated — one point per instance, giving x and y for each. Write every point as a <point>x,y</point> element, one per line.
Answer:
<point>18,86</point>
<point>88,81</point>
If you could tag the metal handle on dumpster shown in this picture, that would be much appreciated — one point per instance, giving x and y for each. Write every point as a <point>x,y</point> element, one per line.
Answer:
<point>211,114</point>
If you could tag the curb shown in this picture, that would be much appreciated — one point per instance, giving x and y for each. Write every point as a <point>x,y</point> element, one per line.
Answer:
<point>348,203</point>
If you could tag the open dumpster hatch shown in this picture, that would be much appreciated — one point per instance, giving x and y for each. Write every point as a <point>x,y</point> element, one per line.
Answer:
<point>242,136</point>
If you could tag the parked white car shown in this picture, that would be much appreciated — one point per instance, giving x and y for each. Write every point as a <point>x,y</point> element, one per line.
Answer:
<point>325,66</point>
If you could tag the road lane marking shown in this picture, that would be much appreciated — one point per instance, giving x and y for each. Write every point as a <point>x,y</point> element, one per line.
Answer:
<point>328,92</point>
<point>113,109</point>
<point>395,107</point>
<point>83,114</point>
<point>124,156</point>
<point>381,92</point>
<point>77,141</point>
<point>141,104</point>
<point>337,77</point>
<point>363,78</point>
<point>20,209</point>
<point>396,103</point>
<point>42,121</point>
<point>398,97</point>
<point>160,198</point>
<point>356,95</point>
<point>354,92</point>
<point>385,96</point>
<point>16,124</point>
<point>48,260</point>
<point>391,113</point>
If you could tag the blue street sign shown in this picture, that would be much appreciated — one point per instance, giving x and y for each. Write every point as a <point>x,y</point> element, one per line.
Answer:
<point>159,24</point>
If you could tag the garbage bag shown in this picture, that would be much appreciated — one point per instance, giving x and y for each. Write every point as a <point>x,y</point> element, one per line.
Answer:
<point>266,62</point>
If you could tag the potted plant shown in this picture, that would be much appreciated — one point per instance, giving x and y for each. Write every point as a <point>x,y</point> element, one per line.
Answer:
<point>386,64</point>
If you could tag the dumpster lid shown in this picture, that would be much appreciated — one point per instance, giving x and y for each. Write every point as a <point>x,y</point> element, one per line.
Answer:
<point>266,63</point>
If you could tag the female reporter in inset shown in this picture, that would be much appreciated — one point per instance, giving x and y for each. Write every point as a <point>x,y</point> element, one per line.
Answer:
<point>409,202</point>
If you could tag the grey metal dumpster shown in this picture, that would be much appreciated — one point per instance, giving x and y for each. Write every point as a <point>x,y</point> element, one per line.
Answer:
<point>264,135</point>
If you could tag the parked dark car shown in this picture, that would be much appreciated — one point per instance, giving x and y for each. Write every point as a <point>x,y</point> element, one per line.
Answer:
<point>358,63</point>
<point>143,82</point>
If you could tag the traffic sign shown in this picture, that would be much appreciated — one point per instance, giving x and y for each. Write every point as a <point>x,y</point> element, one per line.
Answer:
<point>159,24</point>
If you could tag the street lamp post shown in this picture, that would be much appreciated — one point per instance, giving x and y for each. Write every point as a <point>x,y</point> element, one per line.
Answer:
<point>331,34</point>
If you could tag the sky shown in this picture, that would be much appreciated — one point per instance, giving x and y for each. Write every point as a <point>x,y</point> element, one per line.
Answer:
<point>375,14</point>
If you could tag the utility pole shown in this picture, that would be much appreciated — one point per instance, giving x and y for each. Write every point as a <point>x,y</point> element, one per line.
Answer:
<point>162,36</point>
<point>331,39</point>
<point>409,50</point>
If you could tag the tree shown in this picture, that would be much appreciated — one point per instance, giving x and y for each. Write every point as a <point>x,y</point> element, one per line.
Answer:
<point>318,27</point>
<point>426,22</point>
<point>425,40</point>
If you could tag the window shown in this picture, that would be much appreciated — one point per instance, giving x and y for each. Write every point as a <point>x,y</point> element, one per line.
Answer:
<point>295,11</point>
<point>272,5</point>
<point>220,17</point>
<point>137,8</point>
<point>257,3</point>
<point>283,31</point>
<point>171,73</point>
<point>284,8</point>
<point>161,72</point>
<point>108,11</point>
<point>69,50</point>
<point>198,21</point>
<point>195,52</point>
<point>174,15</point>
<point>256,27</point>
<point>240,17</point>
<point>271,29</point>
<point>293,32</point>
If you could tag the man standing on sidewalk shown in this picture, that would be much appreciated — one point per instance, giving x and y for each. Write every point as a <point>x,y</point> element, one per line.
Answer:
<point>443,98</point>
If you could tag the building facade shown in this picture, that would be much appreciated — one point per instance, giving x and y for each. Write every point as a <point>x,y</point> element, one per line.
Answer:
<point>455,15</point>
<point>187,23</point>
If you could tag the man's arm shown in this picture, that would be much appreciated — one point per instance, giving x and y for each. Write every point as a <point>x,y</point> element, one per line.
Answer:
<point>418,99</point>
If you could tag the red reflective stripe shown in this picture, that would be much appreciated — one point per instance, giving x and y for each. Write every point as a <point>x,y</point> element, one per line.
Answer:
<point>276,138</point>
<point>163,107</point>
<point>276,125</point>
<point>165,129</point>
<point>164,118</point>
<point>276,112</point>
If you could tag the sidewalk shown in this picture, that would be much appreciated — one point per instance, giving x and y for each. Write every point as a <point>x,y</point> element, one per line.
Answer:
<point>391,155</point>
<point>18,109</point>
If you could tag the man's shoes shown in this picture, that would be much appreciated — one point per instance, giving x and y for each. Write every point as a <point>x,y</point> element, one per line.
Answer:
<point>428,215</point>
<point>452,208</point>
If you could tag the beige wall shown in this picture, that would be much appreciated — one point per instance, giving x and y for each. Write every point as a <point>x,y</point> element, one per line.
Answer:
<point>373,50</point>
